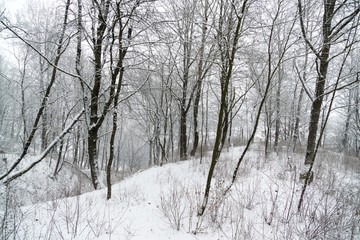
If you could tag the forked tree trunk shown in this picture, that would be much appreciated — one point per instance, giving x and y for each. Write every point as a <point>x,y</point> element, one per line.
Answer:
<point>94,123</point>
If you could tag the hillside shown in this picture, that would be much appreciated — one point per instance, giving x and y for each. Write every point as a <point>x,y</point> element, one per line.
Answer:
<point>161,203</point>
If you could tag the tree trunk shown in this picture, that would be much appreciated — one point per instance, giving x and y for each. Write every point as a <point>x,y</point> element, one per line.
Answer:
<point>195,123</point>
<point>111,155</point>
<point>278,110</point>
<point>94,125</point>
<point>76,140</point>
<point>319,94</point>
<point>117,77</point>
<point>357,116</point>
<point>297,120</point>
<point>322,60</point>
<point>200,77</point>
<point>93,158</point>
<point>44,118</point>
<point>183,135</point>
<point>345,140</point>
<point>267,128</point>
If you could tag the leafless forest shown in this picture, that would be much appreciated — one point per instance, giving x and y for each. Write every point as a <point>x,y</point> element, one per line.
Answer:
<point>109,87</point>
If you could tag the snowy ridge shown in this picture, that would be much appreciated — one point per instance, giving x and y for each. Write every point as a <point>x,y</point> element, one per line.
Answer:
<point>161,203</point>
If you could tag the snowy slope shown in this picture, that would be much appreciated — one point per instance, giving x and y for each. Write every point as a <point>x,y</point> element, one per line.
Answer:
<point>161,203</point>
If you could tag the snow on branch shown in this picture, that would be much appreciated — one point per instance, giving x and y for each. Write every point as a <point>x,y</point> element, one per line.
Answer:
<point>39,158</point>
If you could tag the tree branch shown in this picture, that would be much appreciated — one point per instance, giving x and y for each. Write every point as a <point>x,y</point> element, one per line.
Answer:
<point>44,153</point>
<point>303,30</point>
<point>41,54</point>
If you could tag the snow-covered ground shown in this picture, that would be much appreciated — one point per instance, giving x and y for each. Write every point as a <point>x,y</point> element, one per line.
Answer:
<point>162,203</point>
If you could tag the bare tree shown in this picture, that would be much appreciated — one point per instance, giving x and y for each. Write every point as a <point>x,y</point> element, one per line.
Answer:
<point>59,52</point>
<point>274,61</point>
<point>230,17</point>
<point>336,17</point>
<point>349,44</point>
<point>204,64</point>
<point>111,33</point>
<point>112,27</point>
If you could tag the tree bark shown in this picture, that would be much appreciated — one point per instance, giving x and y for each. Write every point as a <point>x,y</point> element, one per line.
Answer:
<point>345,140</point>
<point>323,63</point>
<point>278,110</point>
<point>329,35</point>
<point>297,121</point>
<point>95,91</point>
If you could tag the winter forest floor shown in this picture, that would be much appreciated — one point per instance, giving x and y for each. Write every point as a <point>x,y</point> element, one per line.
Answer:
<point>162,202</point>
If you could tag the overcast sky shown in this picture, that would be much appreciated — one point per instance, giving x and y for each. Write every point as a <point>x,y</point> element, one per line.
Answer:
<point>12,6</point>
